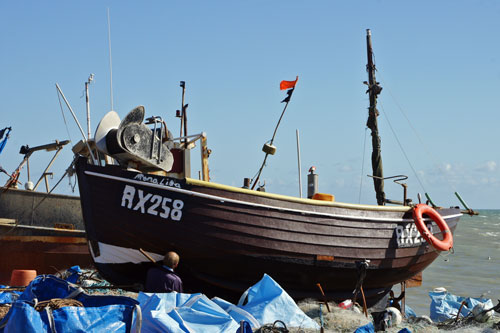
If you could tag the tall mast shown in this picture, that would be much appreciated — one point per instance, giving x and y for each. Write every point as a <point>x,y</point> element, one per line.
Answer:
<point>373,90</point>
<point>91,77</point>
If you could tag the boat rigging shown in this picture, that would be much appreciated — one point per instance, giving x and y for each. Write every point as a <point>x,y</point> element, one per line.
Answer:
<point>374,89</point>
<point>230,236</point>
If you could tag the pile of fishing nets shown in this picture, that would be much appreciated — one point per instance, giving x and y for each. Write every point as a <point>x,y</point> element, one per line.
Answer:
<point>334,318</point>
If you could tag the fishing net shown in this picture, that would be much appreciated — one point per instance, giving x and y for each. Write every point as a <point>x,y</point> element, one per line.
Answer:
<point>337,320</point>
<point>4,308</point>
<point>277,327</point>
<point>57,303</point>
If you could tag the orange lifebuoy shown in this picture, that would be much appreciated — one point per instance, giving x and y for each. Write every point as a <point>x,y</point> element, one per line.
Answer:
<point>442,245</point>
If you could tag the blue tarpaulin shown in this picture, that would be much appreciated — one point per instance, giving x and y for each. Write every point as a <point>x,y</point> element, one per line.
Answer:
<point>409,312</point>
<point>74,274</point>
<point>445,305</point>
<point>368,328</point>
<point>265,303</point>
<point>99,314</point>
<point>23,317</point>
<point>4,141</point>
<point>174,312</point>
<point>237,313</point>
<point>8,296</point>
<point>268,302</point>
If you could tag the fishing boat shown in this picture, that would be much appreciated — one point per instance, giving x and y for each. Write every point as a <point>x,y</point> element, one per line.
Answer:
<point>39,230</point>
<point>139,197</point>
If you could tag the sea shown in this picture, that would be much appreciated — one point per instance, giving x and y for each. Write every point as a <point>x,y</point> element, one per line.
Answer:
<point>472,269</point>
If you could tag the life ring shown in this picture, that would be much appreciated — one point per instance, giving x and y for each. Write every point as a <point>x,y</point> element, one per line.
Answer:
<point>442,245</point>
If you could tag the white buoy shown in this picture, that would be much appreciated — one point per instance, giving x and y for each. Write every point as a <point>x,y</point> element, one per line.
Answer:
<point>479,315</point>
<point>440,290</point>
<point>29,185</point>
<point>395,317</point>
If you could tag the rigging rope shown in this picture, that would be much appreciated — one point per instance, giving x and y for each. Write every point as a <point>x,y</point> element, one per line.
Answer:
<point>287,100</point>
<point>64,118</point>
<point>402,149</point>
<point>54,187</point>
<point>260,170</point>
<point>362,166</point>
<point>427,151</point>
<point>33,207</point>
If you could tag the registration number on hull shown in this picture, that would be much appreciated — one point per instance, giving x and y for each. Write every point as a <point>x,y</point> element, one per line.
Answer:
<point>408,235</point>
<point>152,204</point>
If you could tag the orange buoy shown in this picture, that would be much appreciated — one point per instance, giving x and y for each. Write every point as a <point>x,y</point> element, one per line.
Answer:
<point>22,277</point>
<point>442,245</point>
<point>323,196</point>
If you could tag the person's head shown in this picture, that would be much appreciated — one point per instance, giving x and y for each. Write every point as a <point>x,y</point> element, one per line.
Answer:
<point>171,259</point>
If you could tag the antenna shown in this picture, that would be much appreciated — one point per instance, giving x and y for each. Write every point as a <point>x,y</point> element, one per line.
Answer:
<point>110,63</point>
<point>77,123</point>
<point>91,77</point>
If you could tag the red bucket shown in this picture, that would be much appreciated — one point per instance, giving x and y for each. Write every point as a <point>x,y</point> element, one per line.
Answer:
<point>22,277</point>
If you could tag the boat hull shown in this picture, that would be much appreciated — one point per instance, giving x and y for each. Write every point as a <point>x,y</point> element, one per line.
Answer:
<point>228,238</point>
<point>40,231</point>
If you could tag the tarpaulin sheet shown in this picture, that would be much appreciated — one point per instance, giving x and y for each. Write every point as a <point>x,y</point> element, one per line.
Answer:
<point>99,314</point>
<point>74,274</point>
<point>368,328</point>
<point>46,287</point>
<point>23,317</point>
<point>9,296</point>
<point>174,312</point>
<point>445,305</point>
<point>268,302</point>
<point>263,303</point>
<point>237,313</point>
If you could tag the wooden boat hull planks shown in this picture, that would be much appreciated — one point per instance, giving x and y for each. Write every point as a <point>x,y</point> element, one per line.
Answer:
<point>40,209</point>
<point>40,231</point>
<point>229,237</point>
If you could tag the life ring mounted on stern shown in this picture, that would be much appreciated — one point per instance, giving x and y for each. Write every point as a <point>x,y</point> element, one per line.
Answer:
<point>442,245</point>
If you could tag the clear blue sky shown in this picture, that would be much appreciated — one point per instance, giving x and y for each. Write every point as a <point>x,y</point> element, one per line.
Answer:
<point>438,62</point>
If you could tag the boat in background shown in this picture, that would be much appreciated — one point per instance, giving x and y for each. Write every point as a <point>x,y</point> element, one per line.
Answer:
<point>140,197</point>
<point>42,231</point>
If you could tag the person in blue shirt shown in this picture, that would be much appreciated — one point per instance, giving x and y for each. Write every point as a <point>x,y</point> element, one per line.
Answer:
<point>162,279</point>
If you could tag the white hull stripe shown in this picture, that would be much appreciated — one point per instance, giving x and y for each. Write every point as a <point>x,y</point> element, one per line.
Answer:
<point>246,203</point>
<point>35,227</point>
<point>112,254</point>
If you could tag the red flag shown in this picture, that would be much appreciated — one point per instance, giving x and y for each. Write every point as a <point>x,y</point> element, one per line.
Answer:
<point>288,84</point>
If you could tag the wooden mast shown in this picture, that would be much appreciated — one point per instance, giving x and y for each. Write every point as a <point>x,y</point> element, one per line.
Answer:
<point>373,90</point>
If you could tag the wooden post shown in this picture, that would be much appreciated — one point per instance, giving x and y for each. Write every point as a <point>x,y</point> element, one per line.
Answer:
<point>324,297</point>
<point>205,152</point>
<point>365,309</point>
<point>148,256</point>
<point>403,301</point>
